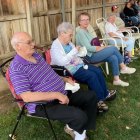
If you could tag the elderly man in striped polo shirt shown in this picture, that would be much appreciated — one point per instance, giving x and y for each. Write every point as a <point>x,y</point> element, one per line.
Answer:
<point>34,80</point>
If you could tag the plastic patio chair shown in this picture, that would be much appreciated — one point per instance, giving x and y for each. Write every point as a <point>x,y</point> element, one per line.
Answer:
<point>101,25</point>
<point>135,30</point>
<point>21,104</point>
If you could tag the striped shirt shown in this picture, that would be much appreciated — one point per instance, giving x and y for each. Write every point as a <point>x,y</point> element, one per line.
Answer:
<point>35,77</point>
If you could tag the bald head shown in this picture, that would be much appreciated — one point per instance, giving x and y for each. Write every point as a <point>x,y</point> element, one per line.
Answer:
<point>19,37</point>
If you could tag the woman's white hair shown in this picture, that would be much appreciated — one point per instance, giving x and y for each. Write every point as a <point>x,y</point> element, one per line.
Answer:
<point>111,15</point>
<point>64,27</point>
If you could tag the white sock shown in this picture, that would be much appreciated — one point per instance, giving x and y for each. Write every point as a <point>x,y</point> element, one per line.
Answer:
<point>80,136</point>
<point>68,127</point>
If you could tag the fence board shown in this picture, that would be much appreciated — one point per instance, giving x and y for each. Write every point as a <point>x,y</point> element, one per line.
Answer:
<point>44,17</point>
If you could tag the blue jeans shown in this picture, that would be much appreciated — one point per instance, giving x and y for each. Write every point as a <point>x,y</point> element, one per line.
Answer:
<point>110,55</point>
<point>129,43</point>
<point>135,20</point>
<point>94,78</point>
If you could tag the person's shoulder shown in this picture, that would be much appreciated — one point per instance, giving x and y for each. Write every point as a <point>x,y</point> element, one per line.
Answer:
<point>15,67</point>
<point>78,29</point>
<point>107,24</point>
<point>56,41</point>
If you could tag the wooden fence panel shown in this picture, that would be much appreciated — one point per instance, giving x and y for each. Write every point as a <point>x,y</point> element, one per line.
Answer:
<point>47,15</point>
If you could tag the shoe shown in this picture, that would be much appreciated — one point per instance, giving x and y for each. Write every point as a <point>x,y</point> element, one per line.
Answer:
<point>82,136</point>
<point>127,70</point>
<point>120,83</point>
<point>111,95</point>
<point>134,57</point>
<point>71,132</point>
<point>102,107</point>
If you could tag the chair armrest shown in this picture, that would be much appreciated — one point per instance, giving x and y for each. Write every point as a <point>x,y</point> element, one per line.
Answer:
<point>60,70</point>
<point>121,40</point>
<point>129,32</point>
<point>109,38</point>
<point>133,27</point>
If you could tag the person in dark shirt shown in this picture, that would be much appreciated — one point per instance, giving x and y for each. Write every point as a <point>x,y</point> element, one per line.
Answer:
<point>131,13</point>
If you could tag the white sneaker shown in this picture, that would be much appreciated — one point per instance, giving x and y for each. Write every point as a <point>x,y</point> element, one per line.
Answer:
<point>69,131</point>
<point>80,136</point>
<point>74,134</point>
<point>127,70</point>
<point>120,83</point>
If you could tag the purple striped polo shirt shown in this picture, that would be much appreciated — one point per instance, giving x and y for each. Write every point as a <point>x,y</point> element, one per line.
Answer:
<point>27,76</point>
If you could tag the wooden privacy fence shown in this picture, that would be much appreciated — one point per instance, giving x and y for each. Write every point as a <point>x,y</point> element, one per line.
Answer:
<point>40,18</point>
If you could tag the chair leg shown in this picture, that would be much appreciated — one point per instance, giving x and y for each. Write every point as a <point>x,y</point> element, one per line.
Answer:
<point>50,124</point>
<point>107,69</point>
<point>103,71</point>
<point>18,119</point>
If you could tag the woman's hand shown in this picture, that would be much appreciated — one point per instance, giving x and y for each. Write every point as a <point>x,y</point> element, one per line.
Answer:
<point>99,48</point>
<point>69,80</point>
<point>77,47</point>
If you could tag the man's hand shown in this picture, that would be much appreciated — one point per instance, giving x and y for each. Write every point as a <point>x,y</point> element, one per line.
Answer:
<point>63,99</point>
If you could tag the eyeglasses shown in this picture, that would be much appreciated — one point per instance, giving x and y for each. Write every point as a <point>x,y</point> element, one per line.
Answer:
<point>29,42</point>
<point>69,34</point>
<point>84,20</point>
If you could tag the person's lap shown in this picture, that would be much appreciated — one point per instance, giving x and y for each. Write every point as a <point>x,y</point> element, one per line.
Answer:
<point>101,55</point>
<point>74,111</point>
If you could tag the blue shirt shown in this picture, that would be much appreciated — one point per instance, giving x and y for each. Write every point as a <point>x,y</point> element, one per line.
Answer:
<point>73,66</point>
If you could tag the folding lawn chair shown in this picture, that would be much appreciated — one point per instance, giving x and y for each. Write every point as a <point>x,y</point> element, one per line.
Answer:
<point>22,104</point>
<point>101,25</point>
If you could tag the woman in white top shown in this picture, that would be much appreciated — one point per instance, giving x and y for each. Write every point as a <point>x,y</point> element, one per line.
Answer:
<point>113,31</point>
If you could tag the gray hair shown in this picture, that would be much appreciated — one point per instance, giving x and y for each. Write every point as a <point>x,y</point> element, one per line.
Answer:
<point>14,41</point>
<point>64,27</point>
<point>110,15</point>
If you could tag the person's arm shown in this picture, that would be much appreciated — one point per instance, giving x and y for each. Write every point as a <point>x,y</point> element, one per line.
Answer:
<point>44,96</point>
<point>23,88</point>
<point>59,57</point>
<point>82,40</point>
<point>111,34</point>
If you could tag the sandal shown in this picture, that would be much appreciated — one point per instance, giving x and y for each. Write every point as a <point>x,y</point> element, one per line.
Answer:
<point>102,107</point>
<point>111,95</point>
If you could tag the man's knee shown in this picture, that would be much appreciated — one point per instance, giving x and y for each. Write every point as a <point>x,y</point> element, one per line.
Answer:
<point>90,96</point>
<point>80,117</point>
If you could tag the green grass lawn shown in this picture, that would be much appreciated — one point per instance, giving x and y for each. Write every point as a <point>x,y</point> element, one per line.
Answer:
<point>121,122</point>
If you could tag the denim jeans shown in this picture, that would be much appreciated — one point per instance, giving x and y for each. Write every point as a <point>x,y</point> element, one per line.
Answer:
<point>94,78</point>
<point>135,20</point>
<point>110,55</point>
<point>129,43</point>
